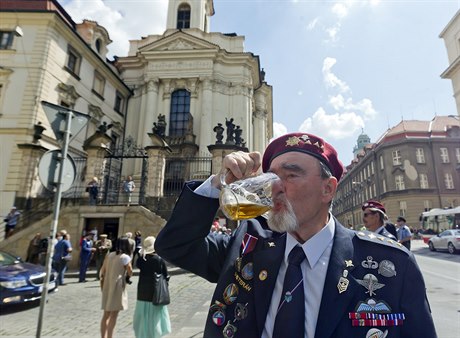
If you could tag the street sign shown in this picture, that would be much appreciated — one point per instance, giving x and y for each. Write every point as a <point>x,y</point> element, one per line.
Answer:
<point>49,167</point>
<point>57,117</point>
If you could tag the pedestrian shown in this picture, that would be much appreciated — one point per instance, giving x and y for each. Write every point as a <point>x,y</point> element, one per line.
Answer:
<point>93,190</point>
<point>103,246</point>
<point>114,276</point>
<point>128,188</point>
<point>150,321</point>
<point>351,284</point>
<point>403,232</point>
<point>11,220</point>
<point>138,245</point>
<point>374,217</point>
<point>132,243</point>
<point>86,252</point>
<point>34,249</point>
<point>62,255</point>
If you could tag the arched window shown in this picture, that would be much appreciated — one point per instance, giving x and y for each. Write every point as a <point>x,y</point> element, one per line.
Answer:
<point>183,16</point>
<point>98,45</point>
<point>180,113</point>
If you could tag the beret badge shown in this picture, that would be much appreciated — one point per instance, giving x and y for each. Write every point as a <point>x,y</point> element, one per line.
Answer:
<point>295,141</point>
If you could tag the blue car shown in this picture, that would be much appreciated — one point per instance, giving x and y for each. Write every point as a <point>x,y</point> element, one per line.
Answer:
<point>21,282</point>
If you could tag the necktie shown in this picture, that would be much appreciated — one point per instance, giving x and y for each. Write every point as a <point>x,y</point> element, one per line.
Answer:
<point>290,318</point>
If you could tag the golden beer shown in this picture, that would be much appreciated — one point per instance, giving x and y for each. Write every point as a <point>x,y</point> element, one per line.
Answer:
<point>244,210</point>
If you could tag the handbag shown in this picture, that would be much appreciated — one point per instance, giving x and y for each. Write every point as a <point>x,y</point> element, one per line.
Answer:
<point>160,290</point>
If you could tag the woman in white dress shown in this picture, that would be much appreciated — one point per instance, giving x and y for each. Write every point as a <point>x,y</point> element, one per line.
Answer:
<point>114,273</point>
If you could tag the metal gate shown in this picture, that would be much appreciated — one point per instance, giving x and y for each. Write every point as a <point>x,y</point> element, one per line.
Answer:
<point>113,174</point>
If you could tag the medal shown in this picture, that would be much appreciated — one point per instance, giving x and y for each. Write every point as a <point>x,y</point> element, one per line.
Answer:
<point>238,264</point>
<point>247,272</point>
<point>371,283</point>
<point>229,330</point>
<point>241,311</point>
<point>263,275</point>
<point>387,268</point>
<point>230,293</point>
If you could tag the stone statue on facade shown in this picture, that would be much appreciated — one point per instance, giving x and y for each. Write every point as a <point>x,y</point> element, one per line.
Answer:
<point>230,130</point>
<point>160,127</point>
<point>219,130</point>
<point>104,127</point>
<point>238,138</point>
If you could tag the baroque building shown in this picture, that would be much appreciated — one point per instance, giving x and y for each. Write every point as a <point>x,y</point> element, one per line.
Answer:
<point>451,36</point>
<point>165,113</point>
<point>413,167</point>
<point>196,81</point>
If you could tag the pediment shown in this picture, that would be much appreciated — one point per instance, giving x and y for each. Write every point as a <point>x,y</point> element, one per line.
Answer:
<point>179,41</point>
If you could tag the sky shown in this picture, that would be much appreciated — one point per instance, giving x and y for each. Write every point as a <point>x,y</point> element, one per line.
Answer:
<point>337,68</point>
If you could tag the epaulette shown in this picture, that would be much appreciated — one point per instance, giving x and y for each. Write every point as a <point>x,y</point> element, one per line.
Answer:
<point>376,238</point>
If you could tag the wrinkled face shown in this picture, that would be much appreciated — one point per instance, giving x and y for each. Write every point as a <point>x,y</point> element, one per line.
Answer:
<point>301,197</point>
<point>371,219</point>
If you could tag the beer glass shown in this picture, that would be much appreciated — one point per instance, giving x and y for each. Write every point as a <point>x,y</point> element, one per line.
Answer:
<point>247,198</point>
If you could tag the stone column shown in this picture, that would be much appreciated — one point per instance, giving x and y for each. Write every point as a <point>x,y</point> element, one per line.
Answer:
<point>219,151</point>
<point>96,147</point>
<point>156,167</point>
<point>206,113</point>
<point>260,122</point>
<point>150,110</point>
<point>29,185</point>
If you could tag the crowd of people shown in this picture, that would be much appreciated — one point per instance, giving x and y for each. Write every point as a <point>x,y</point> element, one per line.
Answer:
<point>114,261</point>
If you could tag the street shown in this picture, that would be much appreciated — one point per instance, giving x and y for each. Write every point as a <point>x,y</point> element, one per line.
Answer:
<point>74,311</point>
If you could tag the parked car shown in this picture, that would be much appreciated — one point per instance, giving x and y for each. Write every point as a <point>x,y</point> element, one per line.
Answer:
<point>447,240</point>
<point>22,282</point>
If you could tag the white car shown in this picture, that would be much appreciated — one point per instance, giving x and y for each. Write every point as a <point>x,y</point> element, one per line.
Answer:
<point>447,240</point>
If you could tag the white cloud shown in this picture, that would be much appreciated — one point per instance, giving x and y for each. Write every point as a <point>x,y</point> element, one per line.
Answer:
<point>332,126</point>
<point>116,16</point>
<point>364,106</point>
<point>340,10</point>
<point>330,79</point>
<point>312,24</point>
<point>279,129</point>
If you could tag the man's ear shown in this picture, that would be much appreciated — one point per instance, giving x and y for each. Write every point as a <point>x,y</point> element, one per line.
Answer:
<point>330,188</point>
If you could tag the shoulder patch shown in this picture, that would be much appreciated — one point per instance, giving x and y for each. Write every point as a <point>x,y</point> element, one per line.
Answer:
<point>376,238</point>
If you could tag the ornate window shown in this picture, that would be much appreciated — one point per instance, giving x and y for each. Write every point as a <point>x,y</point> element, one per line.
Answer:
<point>444,155</point>
<point>183,16</point>
<point>448,181</point>
<point>98,84</point>
<point>180,113</point>
<point>424,181</point>
<point>399,181</point>
<point>420,155</point>
<point>73,60</point>
<point>6,39</point>
<point>396,157</point>
<point>119,102</point>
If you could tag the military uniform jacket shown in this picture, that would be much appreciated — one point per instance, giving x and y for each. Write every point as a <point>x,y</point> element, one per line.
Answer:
<point>368,277</point>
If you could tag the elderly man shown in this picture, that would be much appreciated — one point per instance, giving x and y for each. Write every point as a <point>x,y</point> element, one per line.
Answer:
<point>299,273</point>
<point>374,217</point>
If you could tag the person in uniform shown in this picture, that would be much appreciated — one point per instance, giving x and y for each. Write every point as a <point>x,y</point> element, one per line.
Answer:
<point>298,272</point>
<point>374,217</point>
<point>404,234</point>
<point>103,246</point>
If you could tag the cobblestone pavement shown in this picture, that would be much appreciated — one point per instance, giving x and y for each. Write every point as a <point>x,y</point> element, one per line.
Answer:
<point>74,311</point>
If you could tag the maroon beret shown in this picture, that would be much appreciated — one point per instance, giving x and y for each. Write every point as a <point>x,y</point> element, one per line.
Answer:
<point>374,205</point>
<point>304,143</point>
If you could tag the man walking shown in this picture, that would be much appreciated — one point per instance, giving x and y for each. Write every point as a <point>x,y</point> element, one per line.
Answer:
<point>403,232</point>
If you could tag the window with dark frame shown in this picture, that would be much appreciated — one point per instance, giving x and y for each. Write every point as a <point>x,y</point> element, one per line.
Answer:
<point>99,84</point>
<point>73,61</point>
<point>183,17</point>
<point>118,103</point>
<point>6,39</point>
<point>180,113</point>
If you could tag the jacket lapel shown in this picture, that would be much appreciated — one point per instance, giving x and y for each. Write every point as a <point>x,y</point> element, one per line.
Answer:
<point>333,302</point>
<point>267,260</point>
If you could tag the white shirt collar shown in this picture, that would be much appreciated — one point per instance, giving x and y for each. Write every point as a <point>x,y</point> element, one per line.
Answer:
<point>315,246</point>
